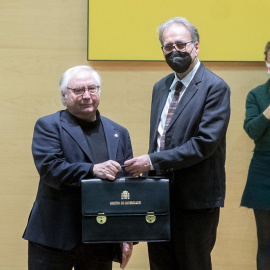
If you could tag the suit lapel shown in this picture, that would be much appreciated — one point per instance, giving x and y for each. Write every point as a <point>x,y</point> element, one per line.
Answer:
<point>112,137</point>
<point>188,95</point>
<point>75,131</point>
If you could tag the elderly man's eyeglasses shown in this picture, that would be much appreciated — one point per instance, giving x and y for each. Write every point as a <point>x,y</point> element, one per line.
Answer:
<point>179,46</point>
<point>92,89</point>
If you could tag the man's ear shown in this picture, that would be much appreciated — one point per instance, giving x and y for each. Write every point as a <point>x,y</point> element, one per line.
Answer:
<point>64,98</point>
<point>197,47</point>
<point>64,95</point>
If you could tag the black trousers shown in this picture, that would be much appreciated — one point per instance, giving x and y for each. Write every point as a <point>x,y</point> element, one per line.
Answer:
<point>193,236</point>
<point>262,218</point>
<point>82,257</point>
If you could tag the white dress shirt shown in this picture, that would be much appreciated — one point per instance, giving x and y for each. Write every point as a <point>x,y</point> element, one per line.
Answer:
<point>185,81</point>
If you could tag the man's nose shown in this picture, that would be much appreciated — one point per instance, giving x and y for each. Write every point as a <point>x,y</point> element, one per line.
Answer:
<point>86,94</point>
<point>174,47</point>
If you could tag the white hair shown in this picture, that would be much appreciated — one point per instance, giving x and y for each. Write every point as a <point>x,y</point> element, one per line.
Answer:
<point>70,73</point>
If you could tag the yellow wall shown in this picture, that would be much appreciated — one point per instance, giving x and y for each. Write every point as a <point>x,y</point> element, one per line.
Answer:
<point>229,29</point>
<point>41,39</point>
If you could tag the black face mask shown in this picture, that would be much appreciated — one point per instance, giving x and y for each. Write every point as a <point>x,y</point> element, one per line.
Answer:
<point>178,61</point>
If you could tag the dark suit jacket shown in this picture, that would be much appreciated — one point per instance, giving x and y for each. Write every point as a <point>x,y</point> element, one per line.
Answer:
<point>62,158</point>
<point>194,155</point>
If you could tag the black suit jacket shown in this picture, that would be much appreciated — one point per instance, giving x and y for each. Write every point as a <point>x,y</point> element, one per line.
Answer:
<point>62,158</point>
<point>194,155</point>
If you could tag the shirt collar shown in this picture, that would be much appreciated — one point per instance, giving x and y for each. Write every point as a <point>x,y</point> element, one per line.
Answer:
<point>185,81</point>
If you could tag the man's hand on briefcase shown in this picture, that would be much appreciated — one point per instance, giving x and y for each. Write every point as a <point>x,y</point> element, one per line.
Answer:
<point>138,165</point>
<point>107,169</point>
<point>127,251</point>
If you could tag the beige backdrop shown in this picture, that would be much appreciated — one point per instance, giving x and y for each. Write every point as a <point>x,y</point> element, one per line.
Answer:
<point>41,39</point>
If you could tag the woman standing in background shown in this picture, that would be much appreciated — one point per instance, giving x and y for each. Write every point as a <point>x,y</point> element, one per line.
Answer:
<point>257,190</point>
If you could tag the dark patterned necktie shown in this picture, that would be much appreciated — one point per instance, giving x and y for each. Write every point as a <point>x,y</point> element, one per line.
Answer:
<point>170,114</point>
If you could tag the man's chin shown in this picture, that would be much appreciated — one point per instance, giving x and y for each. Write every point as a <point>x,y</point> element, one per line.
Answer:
<point>87,109</point>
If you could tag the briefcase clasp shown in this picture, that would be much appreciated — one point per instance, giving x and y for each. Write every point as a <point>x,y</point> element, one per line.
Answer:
<point>150,217</point>
<point>101,218</point>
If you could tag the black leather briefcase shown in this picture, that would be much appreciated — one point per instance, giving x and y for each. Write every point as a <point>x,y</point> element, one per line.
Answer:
<point>125,210</point>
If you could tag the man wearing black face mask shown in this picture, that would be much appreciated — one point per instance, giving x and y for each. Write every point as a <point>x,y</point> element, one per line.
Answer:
<point>189,118</point>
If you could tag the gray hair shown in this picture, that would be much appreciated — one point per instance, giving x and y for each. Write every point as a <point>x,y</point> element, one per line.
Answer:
<point>70,73</point>
<point>180,21</point>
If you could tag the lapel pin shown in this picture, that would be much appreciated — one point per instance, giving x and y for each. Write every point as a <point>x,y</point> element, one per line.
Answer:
<point>115,135</point>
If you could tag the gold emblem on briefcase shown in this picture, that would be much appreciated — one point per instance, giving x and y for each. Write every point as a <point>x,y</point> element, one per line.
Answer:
<point>125,195</point>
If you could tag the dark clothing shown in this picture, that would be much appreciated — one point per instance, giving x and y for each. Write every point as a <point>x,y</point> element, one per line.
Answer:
<point>63,157</point>
<point>195,145</point>
<point>194,160</point>
<point>82,257</point>
<point>256,125</point>
<point>193,238</point>
<point>262,218</point>
<point>256,194</point>
<point>94,134</point>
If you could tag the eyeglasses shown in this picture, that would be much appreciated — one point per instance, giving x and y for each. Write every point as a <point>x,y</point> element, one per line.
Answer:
<point>178,45</point>
<point>92,89</point>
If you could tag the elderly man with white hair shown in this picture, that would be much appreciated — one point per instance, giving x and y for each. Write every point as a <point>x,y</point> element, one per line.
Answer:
<point>68,146</point>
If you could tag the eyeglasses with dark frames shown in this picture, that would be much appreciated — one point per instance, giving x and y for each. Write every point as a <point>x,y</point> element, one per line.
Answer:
<point>178,45</point>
